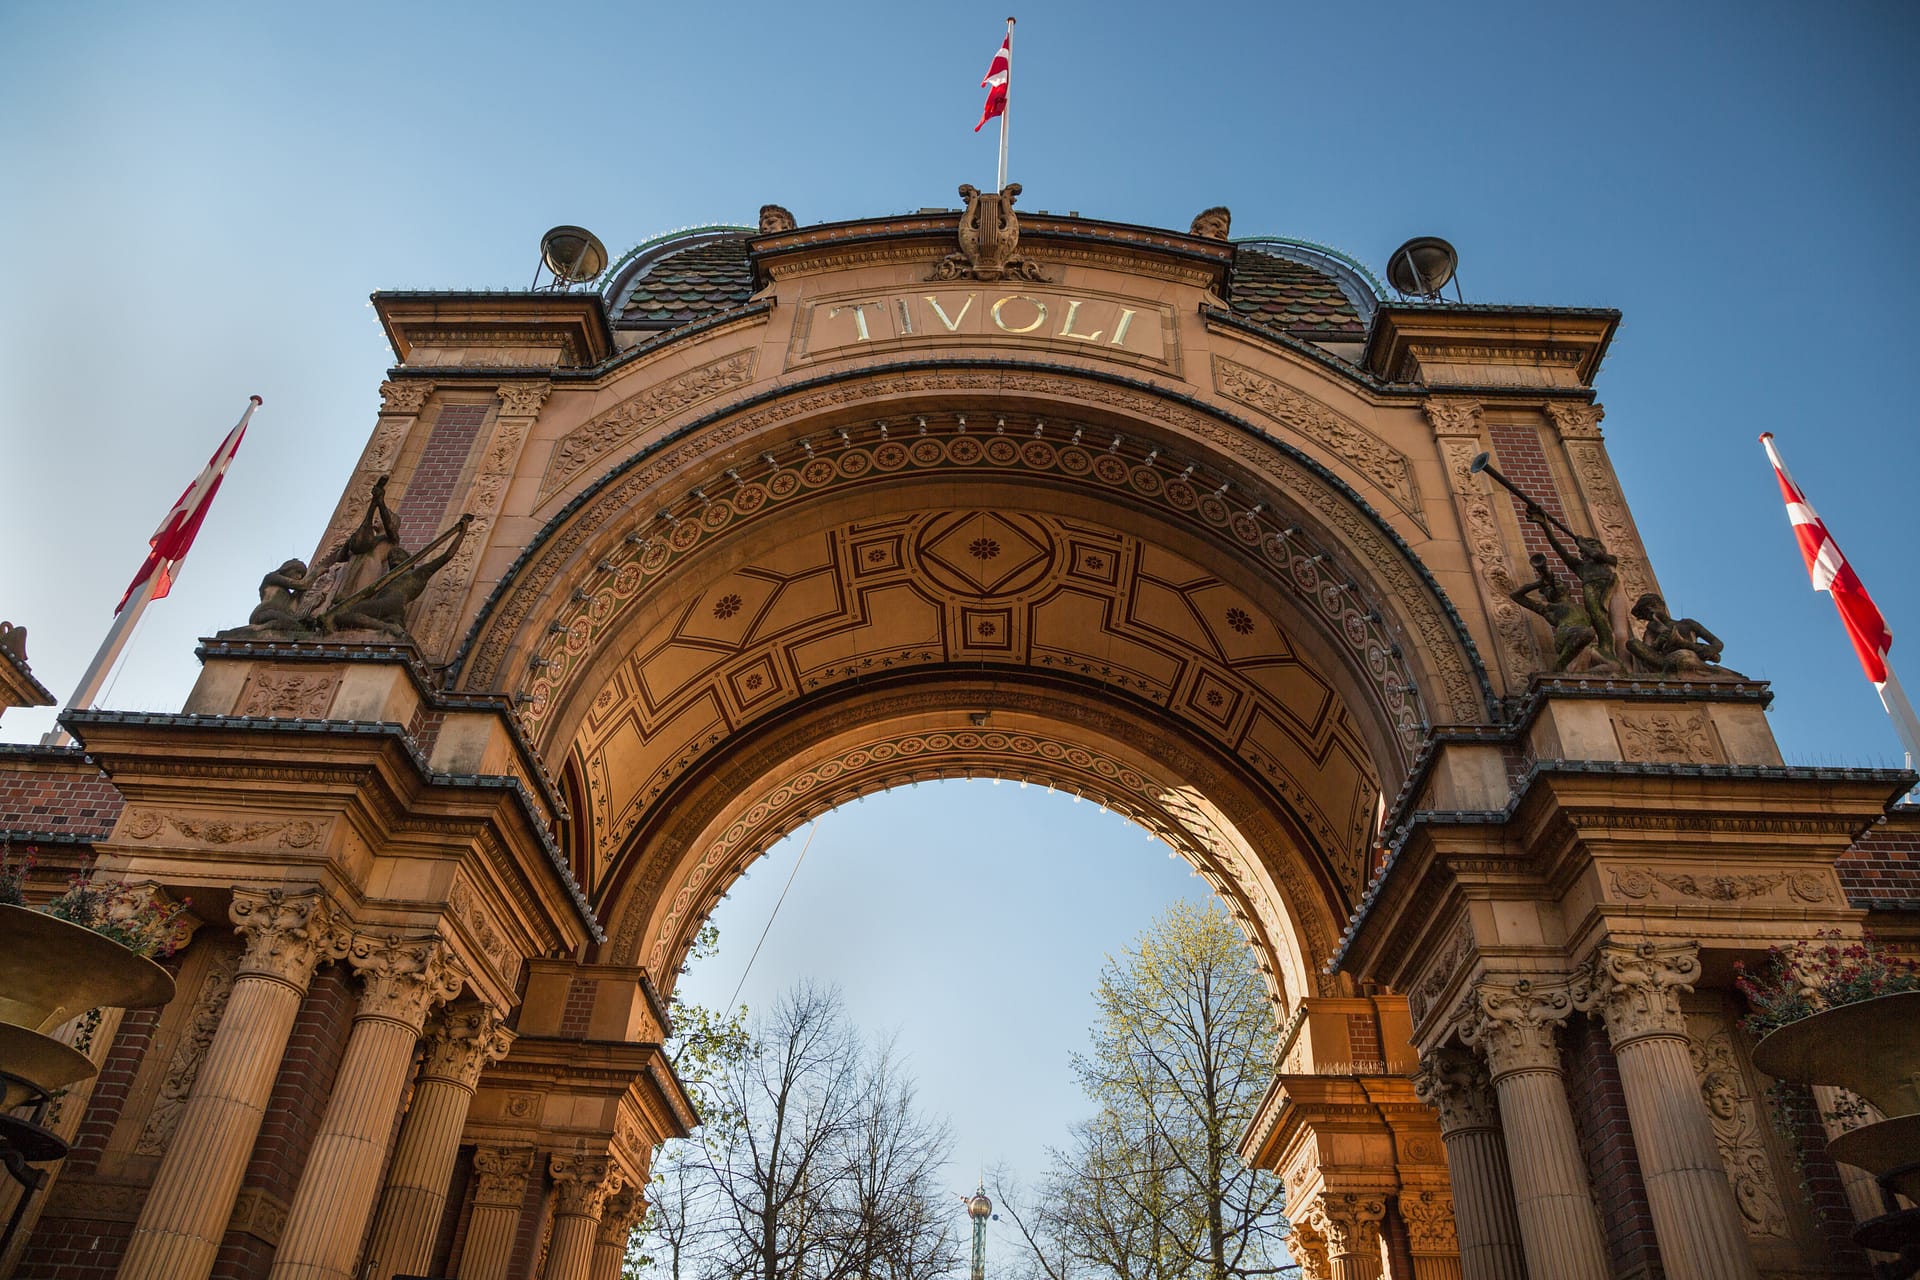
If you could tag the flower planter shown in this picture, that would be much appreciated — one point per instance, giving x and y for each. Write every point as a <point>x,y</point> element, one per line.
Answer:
<point>52,971</point>
<point>1871,1048</point>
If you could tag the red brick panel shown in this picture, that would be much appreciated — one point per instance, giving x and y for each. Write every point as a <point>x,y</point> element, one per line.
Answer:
<point>314,1048</point>
<point>1606,1139</point>
<point>437,475</point>
<point>1521,457</point>
<point>57,798</point>
<point>75,1249</point>
<point>1884,865</point>
<point>110,1088</point>
<point>577,1017</point>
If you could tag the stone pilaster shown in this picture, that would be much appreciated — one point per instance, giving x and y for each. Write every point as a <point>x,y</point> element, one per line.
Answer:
<point>1635,988</point>
<point>1350,1224</point>
<point>1433,1238</point>
<point>499,1190</point>
<point>459,1044</point>
<point>618,1217</point>
<point>581,1184</point>
<point>402,979</point>
<point>185,1215</point>
<point>1513,1023</point>
<point>1458,1087</point>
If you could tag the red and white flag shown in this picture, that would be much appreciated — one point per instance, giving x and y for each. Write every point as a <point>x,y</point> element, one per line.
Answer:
<point>171,541</point>
<point>1831,573</point>
<point>995,81</point>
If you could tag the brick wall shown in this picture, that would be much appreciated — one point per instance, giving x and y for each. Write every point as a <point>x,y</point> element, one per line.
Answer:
<point>1521,457</point>
<point>533,1221</point>
<point>55,792</point>
<point>453,1219</point>
<point>1606,1140</point>
<point>110,1088</point>
<point>300,1092</point>
<point>577,1015</point>
<point>75,1249</point>
<point>1883,867</point>
<point>437,474</point>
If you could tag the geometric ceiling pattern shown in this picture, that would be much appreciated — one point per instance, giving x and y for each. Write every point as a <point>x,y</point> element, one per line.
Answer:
<point>983,588</point>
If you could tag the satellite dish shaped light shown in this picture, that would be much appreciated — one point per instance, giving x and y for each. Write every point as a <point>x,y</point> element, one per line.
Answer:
<point>574,255</point>
<point>1421,267</point>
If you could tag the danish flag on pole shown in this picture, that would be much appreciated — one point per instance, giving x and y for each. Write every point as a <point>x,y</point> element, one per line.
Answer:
<point>995,81</point>
<point>171,541</point>
<point>1832,574</point>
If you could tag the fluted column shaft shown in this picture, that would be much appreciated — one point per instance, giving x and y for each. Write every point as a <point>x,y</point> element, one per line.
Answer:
<point>500,1188</point>
<point>459,1045</point>
<point>582,1184</point>
<point>328,1218</point>
<point>1486,1226</point>
<point>618,1218</point>
<point>186,1211</point>
<point>1559,1226</point>
<point>1636,990</point>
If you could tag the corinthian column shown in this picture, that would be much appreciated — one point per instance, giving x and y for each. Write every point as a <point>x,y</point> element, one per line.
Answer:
<point>1636,990</point>
<point>1350,1224</point>
<point>1457,1086</point>
<point>618,1217</point>
<point>1309,1249</point>
<point>459,1044</point>
<point>1513,1024</point>
<point>500,1189</point>
<point>403,978</point>
<point>178,1235</point>
<point>581,1185</point>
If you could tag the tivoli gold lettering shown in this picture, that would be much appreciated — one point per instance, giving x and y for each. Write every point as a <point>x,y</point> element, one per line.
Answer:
<point>1066,329</point>
<point>1120,330</point>
<point>859,310</point>
<point>1039,307</point>
<point>953,325</point>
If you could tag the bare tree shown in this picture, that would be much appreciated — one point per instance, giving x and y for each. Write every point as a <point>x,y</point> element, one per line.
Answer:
<point>814,1161</point>
<point>1152,1188</point>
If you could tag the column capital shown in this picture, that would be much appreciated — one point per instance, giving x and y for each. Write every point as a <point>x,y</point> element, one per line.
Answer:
<point>620,1215</point>
<point>1575,421</point>
<point>1635,987</point>
<point>404,398</point>
<point>1458,1087</point>
<point>582,1183</point>
<point>287,934</point>
<point>461,1042</point>
<point>1308,1245</point>
<point>1350,1221</point>
<point>1513,1022</point>
<point>501,1175</point>
<point>1453,415</point>
<point>1428,1214</point>
<point>403,977</point>
<point>522,399</point>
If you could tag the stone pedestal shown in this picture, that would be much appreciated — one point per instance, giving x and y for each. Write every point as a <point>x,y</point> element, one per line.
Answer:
<point>1636,991</point>
<point>1513,1024</point>
<point>1488,1230</point>
<point>582,1184</point>
<point>186,1212</point>
<point>459,1044</point>
<point>499,1190</point>
<point>328,1218</point>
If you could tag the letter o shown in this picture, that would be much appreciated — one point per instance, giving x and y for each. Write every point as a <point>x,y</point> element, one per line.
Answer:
<point>1038,319</point>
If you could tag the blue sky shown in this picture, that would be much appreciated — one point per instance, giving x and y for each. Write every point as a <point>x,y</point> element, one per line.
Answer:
<point>200,197</point>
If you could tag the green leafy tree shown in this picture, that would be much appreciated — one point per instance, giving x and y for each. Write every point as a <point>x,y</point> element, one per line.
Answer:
<point>1152,1188</point>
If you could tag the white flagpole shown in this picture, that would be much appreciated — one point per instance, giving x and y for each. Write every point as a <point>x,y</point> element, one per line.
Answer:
<point>1900,711</point>
<point>95,675</point>
<point>1007,109</point>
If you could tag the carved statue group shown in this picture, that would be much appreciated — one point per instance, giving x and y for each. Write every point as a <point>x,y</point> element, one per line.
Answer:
<point>1582,618</point>
<point>366,584</point>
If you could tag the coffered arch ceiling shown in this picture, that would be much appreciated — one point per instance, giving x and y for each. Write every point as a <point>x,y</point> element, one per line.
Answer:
<point>1233,601</point>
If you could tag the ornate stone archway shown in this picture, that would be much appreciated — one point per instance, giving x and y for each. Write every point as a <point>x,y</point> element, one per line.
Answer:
<point>774,520</point>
